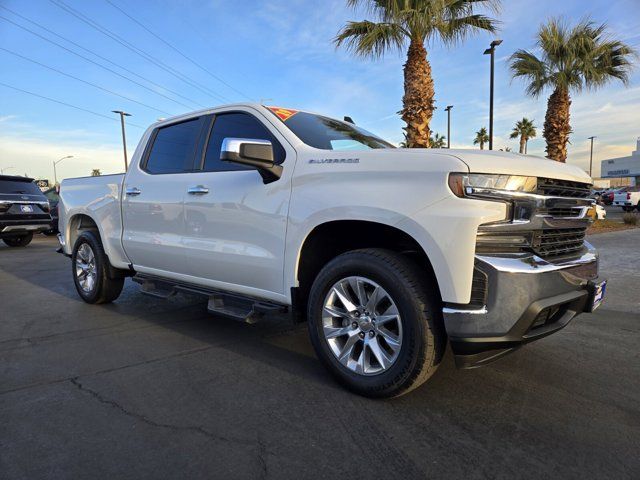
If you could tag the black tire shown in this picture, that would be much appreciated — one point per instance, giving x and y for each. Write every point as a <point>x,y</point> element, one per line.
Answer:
<point>417,300</point>
<point>21,241</point>
<point>103,289</point>
<point>627,209</point>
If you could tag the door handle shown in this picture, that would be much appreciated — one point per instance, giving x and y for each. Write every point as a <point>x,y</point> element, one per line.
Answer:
<point>133,191</point>
<point>198,190</point>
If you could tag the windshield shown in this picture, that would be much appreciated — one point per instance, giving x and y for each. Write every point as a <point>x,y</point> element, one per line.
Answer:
<point>328,133</point>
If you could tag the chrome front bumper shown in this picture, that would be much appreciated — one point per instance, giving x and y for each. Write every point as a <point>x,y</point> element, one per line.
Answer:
<point>520,290</point>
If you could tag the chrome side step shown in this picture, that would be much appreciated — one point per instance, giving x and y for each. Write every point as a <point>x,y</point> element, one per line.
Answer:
<point>230,305</point>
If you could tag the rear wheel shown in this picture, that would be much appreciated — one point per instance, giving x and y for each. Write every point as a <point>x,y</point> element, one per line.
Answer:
<point>90,267</point>
<point>375,324</point>
<point>21,241</point>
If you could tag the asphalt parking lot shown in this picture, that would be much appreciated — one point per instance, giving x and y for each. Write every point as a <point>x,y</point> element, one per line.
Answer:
<point>149,388</point>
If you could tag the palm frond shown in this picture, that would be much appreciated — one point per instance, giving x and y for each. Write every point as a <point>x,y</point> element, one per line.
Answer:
<point>370,39</point>
<point>526,64</point>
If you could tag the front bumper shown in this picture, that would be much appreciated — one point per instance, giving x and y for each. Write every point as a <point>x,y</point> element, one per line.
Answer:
<point>527,298</point>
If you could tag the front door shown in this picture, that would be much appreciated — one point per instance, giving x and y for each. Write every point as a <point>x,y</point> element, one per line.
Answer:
<point>153,199</point>
<point>235,223</point>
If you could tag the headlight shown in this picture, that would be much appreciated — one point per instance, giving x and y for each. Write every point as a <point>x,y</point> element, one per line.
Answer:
<point>468,184</point>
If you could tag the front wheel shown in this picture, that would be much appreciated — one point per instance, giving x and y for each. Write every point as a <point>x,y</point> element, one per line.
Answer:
<point>375,324</point>
<point>21,241</point>
<point>90,268</point>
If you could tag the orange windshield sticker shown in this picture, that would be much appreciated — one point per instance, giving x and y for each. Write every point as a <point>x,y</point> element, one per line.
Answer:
<point>283,114</point>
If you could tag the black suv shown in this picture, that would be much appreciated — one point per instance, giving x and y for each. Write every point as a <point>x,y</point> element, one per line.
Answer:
<point>23,210</point>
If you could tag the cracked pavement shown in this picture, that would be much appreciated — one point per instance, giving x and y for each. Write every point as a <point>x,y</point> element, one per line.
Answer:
<point>150,388</point>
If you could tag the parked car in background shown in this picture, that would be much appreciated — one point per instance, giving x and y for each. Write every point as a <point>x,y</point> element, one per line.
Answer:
<point>607,197</point>
<point>265,209</point>
<point>53,196</point>
<point>628,199</point>
<point>23,210</point>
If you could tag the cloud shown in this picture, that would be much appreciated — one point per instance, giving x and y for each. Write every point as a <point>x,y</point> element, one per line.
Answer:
<point>35,156</point>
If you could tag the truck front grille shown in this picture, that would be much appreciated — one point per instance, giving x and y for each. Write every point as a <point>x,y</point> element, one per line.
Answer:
<point>563,188</point>
<point>558,242</point>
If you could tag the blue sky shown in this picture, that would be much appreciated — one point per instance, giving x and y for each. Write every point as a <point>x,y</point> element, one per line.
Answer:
<point>280,51</point>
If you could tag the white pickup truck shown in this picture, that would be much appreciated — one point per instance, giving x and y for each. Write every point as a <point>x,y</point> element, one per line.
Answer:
<point>628,199</point>
<point>389,253</point>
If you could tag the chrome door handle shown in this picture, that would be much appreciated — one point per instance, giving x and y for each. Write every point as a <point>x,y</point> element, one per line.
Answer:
<point>133,191</point>
<point>198,190</point>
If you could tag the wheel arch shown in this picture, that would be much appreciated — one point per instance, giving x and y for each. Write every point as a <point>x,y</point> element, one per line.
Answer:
<point>329,239</point>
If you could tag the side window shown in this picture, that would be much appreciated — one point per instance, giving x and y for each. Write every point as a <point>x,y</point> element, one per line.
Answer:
<point>174,147</point>
<point>237,125</point>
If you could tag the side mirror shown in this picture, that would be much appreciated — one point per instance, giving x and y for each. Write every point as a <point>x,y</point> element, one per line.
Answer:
<point>253,153</point>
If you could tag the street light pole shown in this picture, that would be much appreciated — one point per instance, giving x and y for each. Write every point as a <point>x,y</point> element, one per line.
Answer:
<point>448,110</point>
<point>124,138</point>
<point>491,51</point>
<point>55,175</point>
<point>591,156</point>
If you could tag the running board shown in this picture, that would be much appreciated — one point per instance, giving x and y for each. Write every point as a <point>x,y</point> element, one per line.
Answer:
<point>230,305</point>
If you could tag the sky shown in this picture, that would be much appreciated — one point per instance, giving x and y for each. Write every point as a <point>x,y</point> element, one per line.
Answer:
<point>196,53</point>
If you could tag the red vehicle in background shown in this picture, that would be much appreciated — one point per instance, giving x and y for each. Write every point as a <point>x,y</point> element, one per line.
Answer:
<point>607,197</point>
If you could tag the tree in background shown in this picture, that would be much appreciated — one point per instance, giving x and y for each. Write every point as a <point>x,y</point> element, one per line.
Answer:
<point>482,137</point>
<point>414,22</point>
<point>570,60</point>
<point>525,129</point>
<point>437,141</point>
<point>95,172</point>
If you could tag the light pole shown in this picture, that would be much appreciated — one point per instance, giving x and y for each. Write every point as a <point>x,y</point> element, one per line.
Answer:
<point>124,138</point>
<point>448,110</point>
<point>55,175</point>
<point>5,168</point>
<point>491,51</point>
<point>591,156</point>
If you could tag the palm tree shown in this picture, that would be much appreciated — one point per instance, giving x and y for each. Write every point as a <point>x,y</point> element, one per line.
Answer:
<point>481,138</point>
<point>96,172</point>
<point>437,141</point>
<point>571,59</point>
<point>525,129</point>
<point>414,22</point>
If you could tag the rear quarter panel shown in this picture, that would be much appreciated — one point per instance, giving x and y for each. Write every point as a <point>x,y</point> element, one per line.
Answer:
<point>100,199</point>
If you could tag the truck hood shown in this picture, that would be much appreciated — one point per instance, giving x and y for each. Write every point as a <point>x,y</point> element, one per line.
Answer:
<point>516,164</point>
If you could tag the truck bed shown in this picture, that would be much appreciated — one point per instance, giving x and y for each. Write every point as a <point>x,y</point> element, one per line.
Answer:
<point>99,198</point>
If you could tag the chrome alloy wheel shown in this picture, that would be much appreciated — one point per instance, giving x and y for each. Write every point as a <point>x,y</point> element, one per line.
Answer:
<point>86,271</point>
<point>361,325</point>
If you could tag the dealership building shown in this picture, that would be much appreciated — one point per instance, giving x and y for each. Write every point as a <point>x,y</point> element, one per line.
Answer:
<point>626,170</point>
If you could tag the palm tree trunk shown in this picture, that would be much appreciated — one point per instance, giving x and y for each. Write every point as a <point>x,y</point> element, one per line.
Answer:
<point>523,142</point>
<point>481,145</point>
<point>556,125</point>
<point>417,101</point>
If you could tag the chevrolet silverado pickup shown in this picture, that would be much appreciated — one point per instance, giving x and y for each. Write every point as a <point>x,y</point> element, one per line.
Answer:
<point>389,254</point>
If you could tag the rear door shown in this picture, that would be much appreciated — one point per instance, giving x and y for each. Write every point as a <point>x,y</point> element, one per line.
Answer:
<point>153,201</point>
<point>236,225</point>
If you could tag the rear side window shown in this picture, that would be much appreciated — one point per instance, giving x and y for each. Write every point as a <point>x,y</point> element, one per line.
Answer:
<point>237,125</point>
<point>174,147</point>
<point>19,187</point>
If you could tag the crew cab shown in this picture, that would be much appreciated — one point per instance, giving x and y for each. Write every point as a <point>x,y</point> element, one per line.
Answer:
<point>23,210</point>
<point>628,199</point>
<point>390,254</point>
